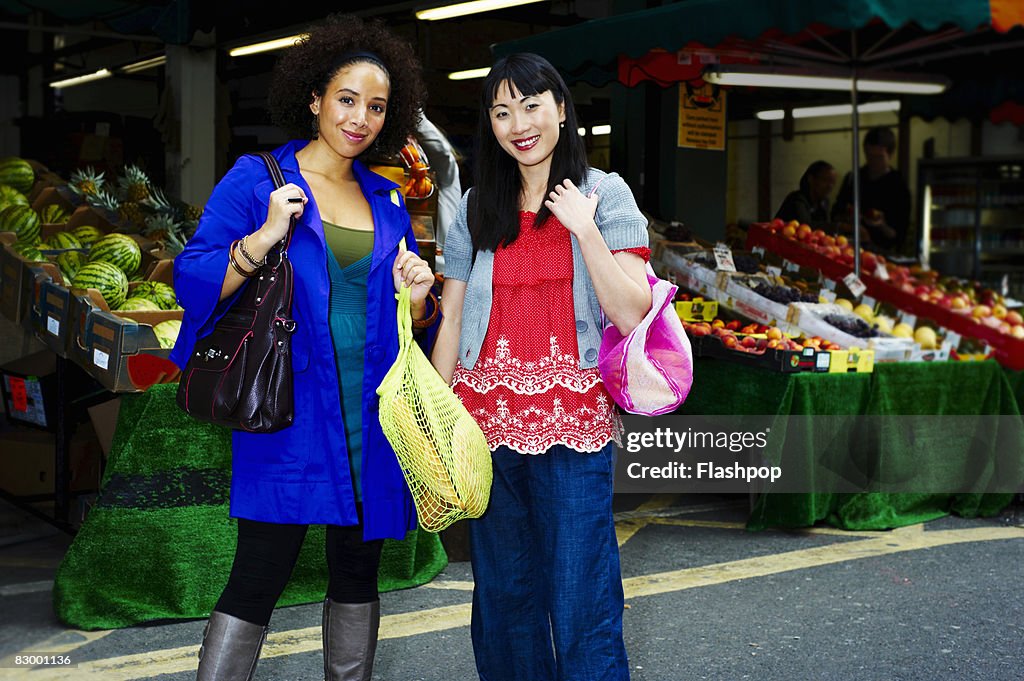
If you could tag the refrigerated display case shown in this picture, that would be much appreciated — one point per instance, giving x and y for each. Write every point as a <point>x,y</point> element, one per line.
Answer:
<point>972,219</point>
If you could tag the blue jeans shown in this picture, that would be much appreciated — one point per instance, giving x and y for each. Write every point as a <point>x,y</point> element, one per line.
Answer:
<point>547,602</point>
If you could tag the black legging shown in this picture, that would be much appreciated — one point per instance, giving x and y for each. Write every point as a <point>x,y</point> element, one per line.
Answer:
<point>266,555</point>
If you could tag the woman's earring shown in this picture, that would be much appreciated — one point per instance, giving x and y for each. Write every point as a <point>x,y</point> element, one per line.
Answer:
<point>562,124</point>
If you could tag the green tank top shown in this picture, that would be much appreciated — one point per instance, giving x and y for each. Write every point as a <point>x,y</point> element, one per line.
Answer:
<point>348,245</point>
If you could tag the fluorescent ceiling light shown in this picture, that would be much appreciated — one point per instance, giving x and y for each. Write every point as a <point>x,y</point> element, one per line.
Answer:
<point>470,74</point>
<point>831,110</point>
<point>464,8</point>
<point>78,80</point>
<point>908,84</point>
<point>582,132</point>
<point>601,130</point>
<point>267,46</point>
<point>145,64</point>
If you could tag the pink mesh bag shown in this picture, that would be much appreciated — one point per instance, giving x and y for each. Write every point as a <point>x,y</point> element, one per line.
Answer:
<point>650,371</point>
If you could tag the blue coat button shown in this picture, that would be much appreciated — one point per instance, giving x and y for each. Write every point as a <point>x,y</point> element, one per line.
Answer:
<point>590,355</point>
<point>581,326</point>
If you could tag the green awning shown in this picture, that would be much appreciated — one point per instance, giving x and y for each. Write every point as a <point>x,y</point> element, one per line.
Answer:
<point>710,22</point>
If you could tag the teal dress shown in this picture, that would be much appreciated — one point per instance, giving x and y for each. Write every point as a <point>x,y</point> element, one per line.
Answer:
<point>347,319</point>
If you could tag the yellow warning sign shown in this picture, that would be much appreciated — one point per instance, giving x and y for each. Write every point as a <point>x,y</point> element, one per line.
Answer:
<point>701,117</point>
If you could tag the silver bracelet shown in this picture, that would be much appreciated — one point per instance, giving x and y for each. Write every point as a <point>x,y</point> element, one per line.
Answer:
<point>245,254</point>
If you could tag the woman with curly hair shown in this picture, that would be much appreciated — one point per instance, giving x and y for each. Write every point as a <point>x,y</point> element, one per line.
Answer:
<point>353,88</point>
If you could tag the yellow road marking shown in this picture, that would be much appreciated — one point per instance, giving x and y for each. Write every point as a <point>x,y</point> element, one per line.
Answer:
<point>173,660</point>
<point>719,573</point>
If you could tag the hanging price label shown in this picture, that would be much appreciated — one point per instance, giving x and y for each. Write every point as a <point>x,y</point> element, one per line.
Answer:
<point>774,271</point>
<point>19,397</point>
<point>908,319</point>
<point>790,266</point>
<point>881,272</point>
<point>723,258</point>
<point>869,301</point>
<point>758,251</point>
<point>829,296</point>
<point>953,339</point>
<point>829,284</point>
<point>853,282</point>
<point>53,325</point>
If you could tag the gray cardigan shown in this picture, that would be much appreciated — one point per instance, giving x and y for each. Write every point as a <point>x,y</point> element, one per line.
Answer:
<point>622,225</point>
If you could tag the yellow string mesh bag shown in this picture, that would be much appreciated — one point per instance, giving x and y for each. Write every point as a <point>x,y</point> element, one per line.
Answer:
<point>441,449</point>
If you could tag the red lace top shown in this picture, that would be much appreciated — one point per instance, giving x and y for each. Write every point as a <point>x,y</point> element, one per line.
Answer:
<point>527,390</point>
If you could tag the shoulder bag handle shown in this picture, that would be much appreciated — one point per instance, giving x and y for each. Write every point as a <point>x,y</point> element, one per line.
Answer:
<point>278,177</point>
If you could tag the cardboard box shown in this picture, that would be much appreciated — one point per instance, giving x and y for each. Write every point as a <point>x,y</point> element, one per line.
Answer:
<point>104,422</point>
<point>106,344</point>
<point>18,278</point>
<point>29,387</point>
<point>27,459</point>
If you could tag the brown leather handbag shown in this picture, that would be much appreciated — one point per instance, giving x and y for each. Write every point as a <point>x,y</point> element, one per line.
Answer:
<point>240,375</point>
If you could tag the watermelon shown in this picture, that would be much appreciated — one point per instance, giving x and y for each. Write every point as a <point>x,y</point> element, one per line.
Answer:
<point>87,234</point>
<point>70,262</point>
<point>117,249</point>
<point>21,220</point>
<point>62,241</point>
<point>16,172</point>
<point>28,252</point>
<point>9,196</point>
<point>136,303</point>
<point>106,278</point>
<point>159,292</point>
<point>167,332</point>
<point>53,215</point>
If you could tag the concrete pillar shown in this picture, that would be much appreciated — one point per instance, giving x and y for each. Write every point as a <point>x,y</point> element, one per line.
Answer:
<point>189,122</point>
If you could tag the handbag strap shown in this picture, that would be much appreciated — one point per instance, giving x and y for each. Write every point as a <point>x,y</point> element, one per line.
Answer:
<point>278,177</point>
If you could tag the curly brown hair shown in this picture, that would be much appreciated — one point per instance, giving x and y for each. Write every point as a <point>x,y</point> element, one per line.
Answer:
<point>336,42</point>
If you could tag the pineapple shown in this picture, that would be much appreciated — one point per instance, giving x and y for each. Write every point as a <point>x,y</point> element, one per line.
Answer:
<point>193,213</point>
<point>130,213</point>
<point>86,182</point>
<point>105,202</point>
<point>165,229</point>
<point>158,203</point>
<point>134,184</point>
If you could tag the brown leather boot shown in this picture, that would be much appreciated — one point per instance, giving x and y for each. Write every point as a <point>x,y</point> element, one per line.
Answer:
<point>230,650</point>
<point>350,640</point>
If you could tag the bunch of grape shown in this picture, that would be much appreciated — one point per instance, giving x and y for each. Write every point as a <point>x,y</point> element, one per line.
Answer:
<point>744,263</point>
<point>783,294</point>
<point>677,231</point>
<point>855,326</point>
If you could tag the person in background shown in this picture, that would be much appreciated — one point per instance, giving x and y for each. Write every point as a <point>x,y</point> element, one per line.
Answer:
<point>884,195</point>
<point>809,204</point>
<point>345,89</point>
<point>443,162</point>
<point>535,260</point>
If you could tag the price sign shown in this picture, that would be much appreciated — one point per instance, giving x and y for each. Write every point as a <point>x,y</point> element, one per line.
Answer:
<point>774,271</point>
<point>723,258</point>
<point>829,296</point>
<point>758,251</point>
<point>908,319</point>
<point>790,266</point>
<point>953,339</point>
<point>869,301</point>
<point>100,359</point>
<point>881,272</point>
<point>19,397</point>
<point>829,284</point>
<point>53,325</point>
<point>853,282</point>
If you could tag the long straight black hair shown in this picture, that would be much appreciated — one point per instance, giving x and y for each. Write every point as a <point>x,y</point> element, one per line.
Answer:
<point>494,210</point>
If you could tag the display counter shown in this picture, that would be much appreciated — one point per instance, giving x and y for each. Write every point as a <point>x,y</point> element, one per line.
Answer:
<point>159,544</point>
<point>913,389</point>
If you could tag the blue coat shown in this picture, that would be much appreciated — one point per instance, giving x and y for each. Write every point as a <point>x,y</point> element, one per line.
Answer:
<point>301,474</point>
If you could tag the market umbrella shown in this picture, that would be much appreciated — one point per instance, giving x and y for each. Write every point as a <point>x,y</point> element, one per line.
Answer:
<point>858,38</point>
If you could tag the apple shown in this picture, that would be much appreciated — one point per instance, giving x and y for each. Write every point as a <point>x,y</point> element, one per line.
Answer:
<point>777,224</point>
<point>842,241</point>
<point>999,311</point>
<point>958,303</point>
<point>789,231</point>
<point>803,233</point>
<point>1014,317</point>
<point>1018,331</point>
<point>981,311</point>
